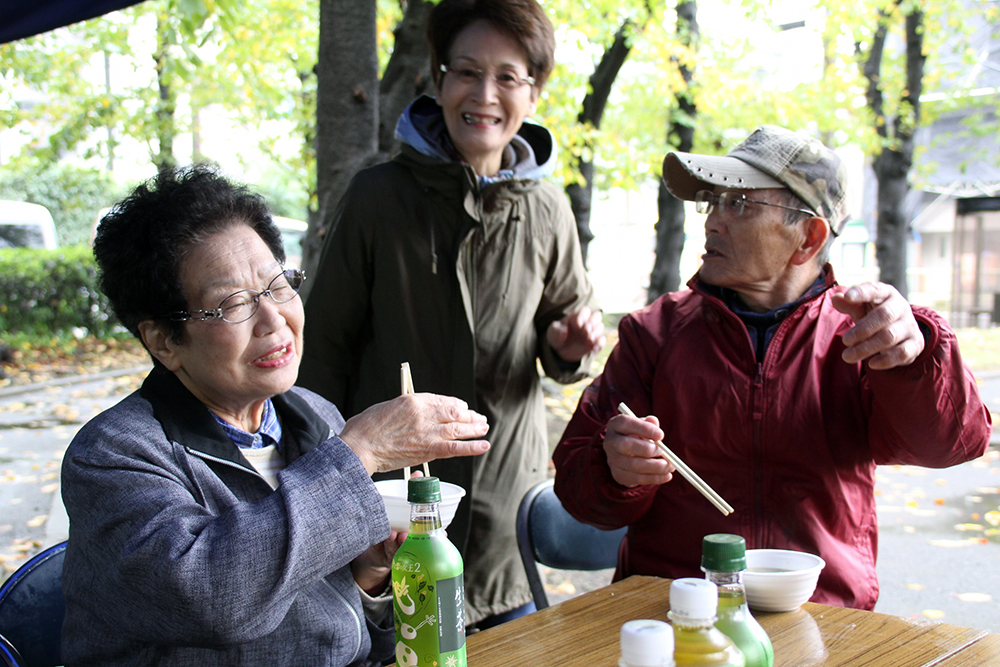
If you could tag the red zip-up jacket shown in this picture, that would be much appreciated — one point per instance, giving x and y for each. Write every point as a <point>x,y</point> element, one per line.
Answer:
<point>791,443</point>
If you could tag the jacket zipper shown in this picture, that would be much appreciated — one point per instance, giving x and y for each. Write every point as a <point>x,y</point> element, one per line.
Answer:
<point>758,449</point>
<point>757,401</point>
<point>340,596</point>
<point>226,462</point>
<point>354,615</point>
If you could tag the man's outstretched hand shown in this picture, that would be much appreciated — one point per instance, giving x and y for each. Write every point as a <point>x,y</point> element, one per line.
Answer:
<point>885,331</point>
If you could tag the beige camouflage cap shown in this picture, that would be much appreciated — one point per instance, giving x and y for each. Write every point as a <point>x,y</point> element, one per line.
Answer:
<point>771,157</point>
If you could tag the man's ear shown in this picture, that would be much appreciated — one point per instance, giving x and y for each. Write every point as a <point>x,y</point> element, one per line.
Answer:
<point>814,240</point>
<point>157,340</point>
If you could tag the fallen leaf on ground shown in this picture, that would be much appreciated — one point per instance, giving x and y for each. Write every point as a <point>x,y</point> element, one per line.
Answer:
<point>974,597</point>
<point>933,613</point>
<point>956,543</point>
<point>964,527</point>
<point>915,587</point>
<point>37,521</point>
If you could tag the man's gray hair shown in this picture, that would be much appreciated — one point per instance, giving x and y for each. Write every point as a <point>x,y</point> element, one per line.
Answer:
<point>792,200</point>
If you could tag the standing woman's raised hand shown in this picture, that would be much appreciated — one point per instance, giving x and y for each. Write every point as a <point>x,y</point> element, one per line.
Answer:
<point>577,335</point>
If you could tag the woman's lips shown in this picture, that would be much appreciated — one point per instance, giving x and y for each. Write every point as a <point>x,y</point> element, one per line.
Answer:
<point>477,119</point>
<point>277,357</point>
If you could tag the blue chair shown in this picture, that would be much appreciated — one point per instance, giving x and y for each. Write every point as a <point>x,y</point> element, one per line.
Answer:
<point>32,609</point>
<point>9,657</point>
<point>547,534</point>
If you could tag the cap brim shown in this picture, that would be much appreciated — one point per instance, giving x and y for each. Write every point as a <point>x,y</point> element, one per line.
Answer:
<point>687,173</point>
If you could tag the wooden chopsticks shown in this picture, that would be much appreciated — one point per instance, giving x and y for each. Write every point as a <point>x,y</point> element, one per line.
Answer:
<point>406,383</point>
<point>685,471</point>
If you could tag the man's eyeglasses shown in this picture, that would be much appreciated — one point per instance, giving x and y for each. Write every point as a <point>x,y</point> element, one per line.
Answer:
<point>469,76</point>
<point>242,305</point>
<point>734,203</point>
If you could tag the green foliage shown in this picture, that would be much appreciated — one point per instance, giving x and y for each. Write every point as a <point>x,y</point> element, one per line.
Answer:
<point>52,292</point>
<point>73,195</point>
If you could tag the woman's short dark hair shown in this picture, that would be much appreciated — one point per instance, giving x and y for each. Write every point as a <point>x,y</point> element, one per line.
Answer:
<point>140,243</point>
<point>524,21</point>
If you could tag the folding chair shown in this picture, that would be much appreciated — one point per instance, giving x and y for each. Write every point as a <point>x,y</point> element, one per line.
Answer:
<point>9,657</point>
<point>547,534</point>
<point>32,609</point>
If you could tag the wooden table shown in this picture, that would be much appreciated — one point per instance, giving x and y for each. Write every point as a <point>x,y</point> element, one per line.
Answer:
<point>583,632</point>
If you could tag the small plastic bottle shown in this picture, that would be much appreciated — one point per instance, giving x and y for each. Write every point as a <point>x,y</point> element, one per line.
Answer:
<point>647,643</point>
<point>428,586</point>
<point>723,559</point>
<point>697,642</point>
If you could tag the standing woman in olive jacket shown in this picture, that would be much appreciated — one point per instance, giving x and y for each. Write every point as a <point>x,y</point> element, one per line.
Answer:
<point>457,258</point>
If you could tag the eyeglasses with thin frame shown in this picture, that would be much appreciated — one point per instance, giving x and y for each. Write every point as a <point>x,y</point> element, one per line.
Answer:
<point>241,306</point>
<point>734,203</point>
<point>469,76</point>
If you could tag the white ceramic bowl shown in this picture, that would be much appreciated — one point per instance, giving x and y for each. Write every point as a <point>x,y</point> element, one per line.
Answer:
<point>780,580</point>
<point>396,506</point>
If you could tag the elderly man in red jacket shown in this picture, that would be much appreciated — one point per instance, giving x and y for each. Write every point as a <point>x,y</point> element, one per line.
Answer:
<point>780,388</point>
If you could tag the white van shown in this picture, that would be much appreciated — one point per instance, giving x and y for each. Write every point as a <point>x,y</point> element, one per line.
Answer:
<point>24,225</point>
<point>293,233</point>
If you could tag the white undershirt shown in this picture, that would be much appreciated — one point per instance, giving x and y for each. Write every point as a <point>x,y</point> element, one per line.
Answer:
<point>268,461</point>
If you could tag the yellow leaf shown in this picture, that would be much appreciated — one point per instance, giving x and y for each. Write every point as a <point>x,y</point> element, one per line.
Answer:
<point>49,488</point>
<point>37,521</point>
<point>915,587</point>
<point>954,543</point>
<point>968,526</point>
<point>933,613</point>
<point>974,597</point>
<point>992,518</point>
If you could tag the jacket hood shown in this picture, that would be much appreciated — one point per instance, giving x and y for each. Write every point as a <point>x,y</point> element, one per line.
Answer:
<point>531,153</point>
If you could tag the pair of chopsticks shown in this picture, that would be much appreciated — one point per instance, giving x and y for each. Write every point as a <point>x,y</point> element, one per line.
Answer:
<point>685,471</point>
<point>406,383</point>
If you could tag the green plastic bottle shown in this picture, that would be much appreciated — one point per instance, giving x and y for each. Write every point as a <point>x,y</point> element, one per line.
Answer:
<point>428,586</point>
<point>697,642</point>
<point>723,559</point>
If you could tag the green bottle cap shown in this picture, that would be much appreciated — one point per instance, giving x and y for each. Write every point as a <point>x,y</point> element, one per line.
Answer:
<point>722,552</point>
<point>423,490</point>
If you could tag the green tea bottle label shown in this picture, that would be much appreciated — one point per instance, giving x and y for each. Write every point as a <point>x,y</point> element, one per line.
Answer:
<point>428,588</point>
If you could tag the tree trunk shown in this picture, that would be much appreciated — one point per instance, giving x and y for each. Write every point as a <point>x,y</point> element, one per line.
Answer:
<point>666,275</point>
<point>407,74</point>
<point>891,168</point>
<point>346,109</point>
<point>580,196</point>
<point>892,165</point>
<point>165,101</point>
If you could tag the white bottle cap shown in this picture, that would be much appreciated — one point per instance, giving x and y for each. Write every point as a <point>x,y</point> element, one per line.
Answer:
<point>647,643</point>
<point>697,599</point>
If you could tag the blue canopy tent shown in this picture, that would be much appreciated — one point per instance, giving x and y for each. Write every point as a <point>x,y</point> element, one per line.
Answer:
<point>24,18</point>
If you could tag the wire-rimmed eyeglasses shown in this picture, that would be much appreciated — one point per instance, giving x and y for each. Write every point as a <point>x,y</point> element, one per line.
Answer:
<point>469,76</point>
<point>241,306</point>
<point>734,203</point>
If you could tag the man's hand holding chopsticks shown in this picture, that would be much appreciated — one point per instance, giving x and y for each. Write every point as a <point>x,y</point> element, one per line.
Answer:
<point>634,459</point>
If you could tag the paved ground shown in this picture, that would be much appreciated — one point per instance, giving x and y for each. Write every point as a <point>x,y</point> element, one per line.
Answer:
<point>936,559</point>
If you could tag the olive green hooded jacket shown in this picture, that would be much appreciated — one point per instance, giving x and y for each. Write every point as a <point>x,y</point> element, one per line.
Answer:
<point>460,277</point>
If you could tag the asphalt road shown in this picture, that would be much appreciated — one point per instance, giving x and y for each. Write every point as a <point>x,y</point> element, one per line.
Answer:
<point>936,560</point>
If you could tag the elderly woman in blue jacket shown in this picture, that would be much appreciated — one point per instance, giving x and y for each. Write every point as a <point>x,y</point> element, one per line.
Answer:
<point>220,515</point>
